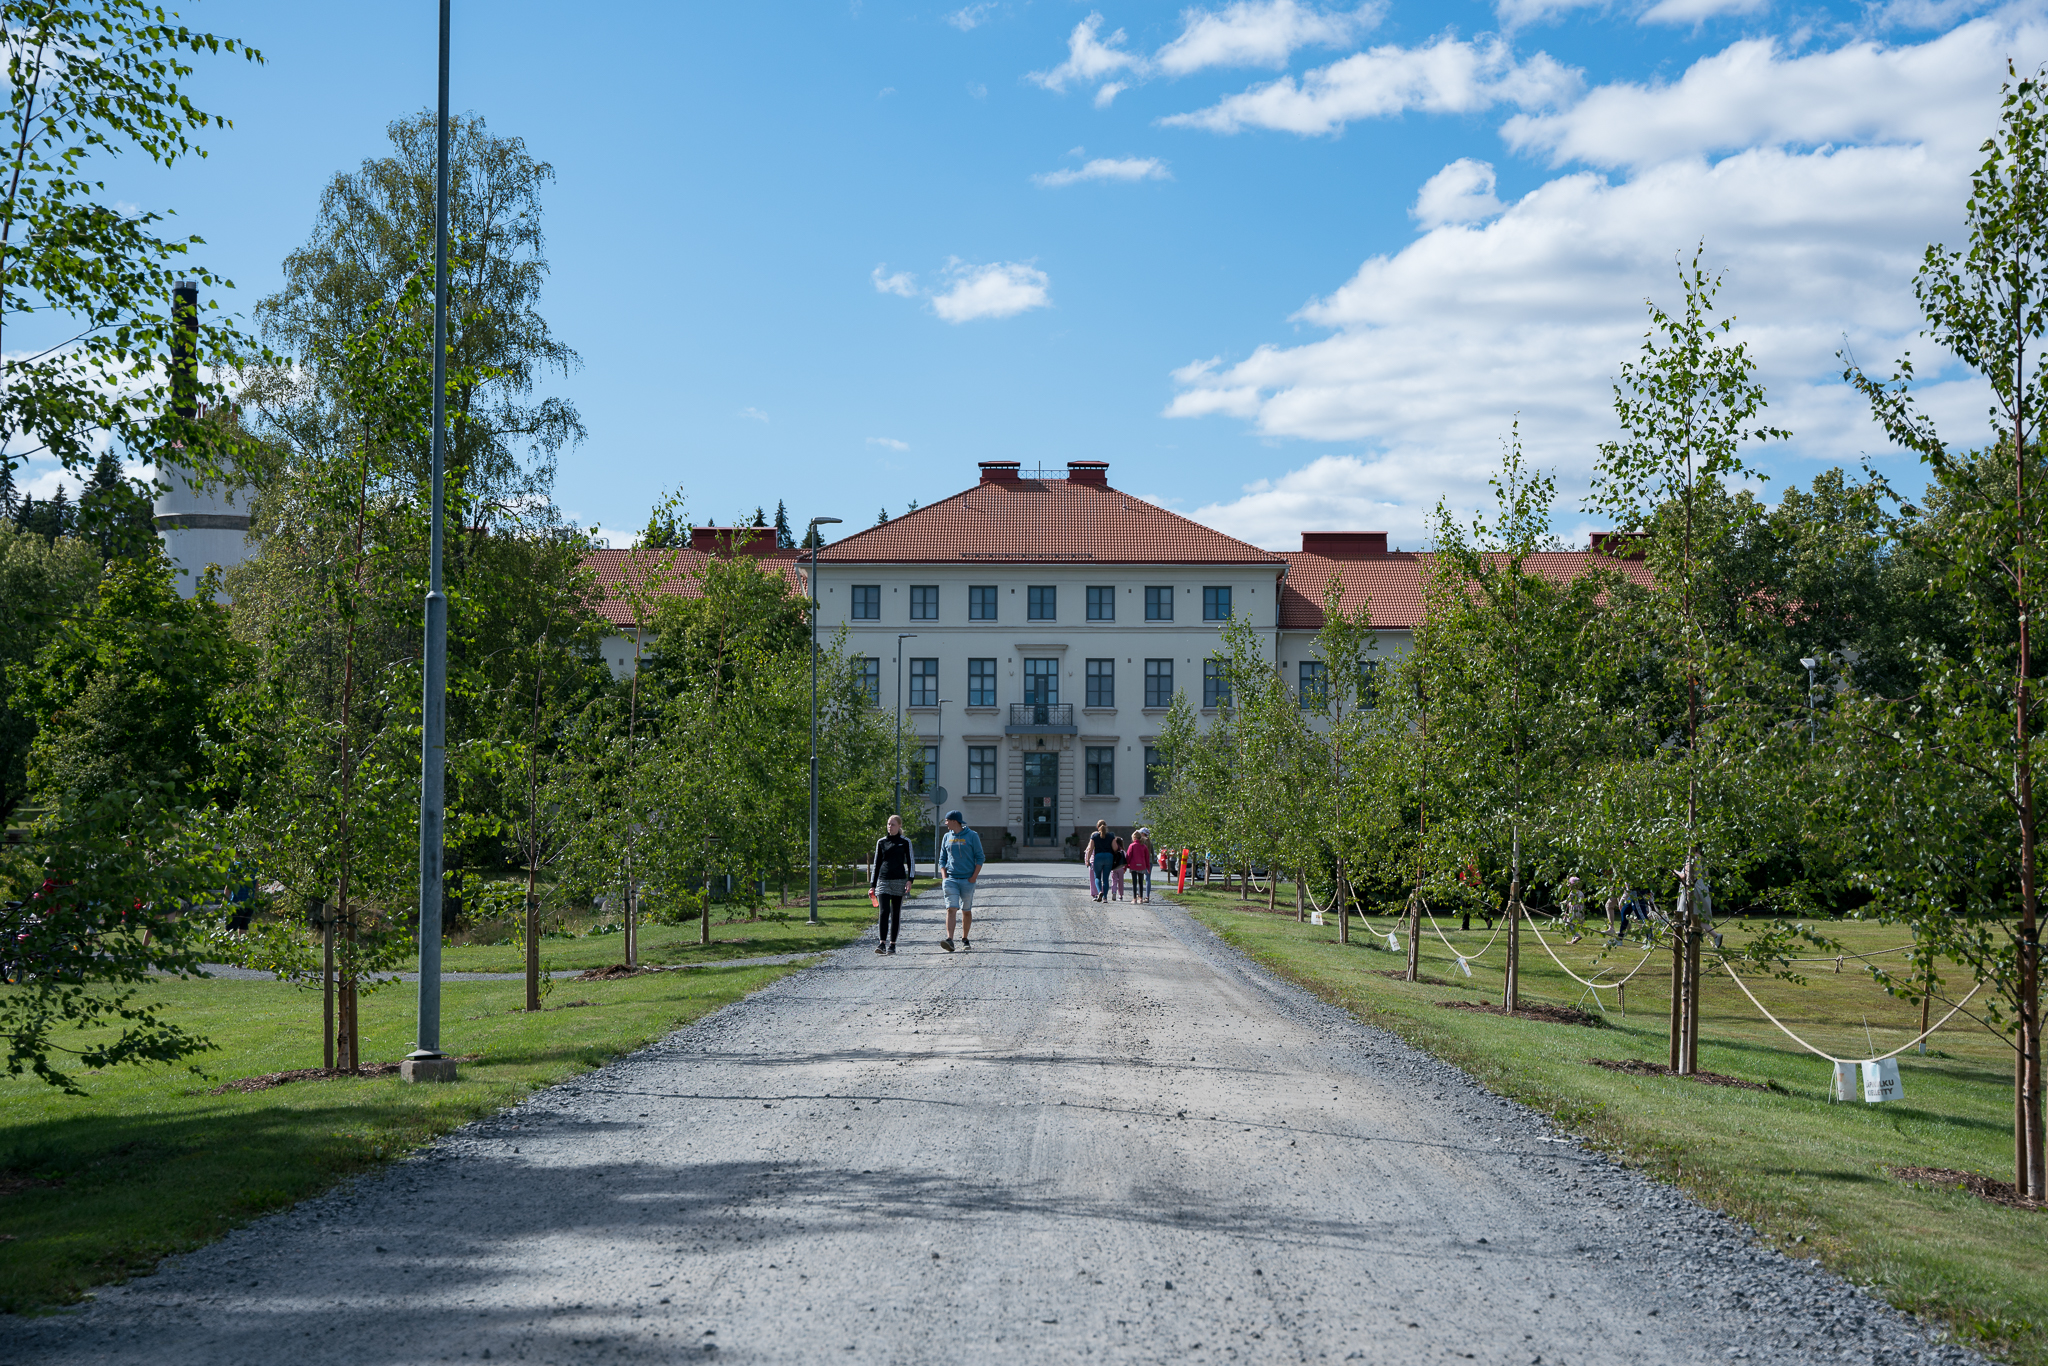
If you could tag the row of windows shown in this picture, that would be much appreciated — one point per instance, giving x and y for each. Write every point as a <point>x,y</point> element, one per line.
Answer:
<point>1041,603</point>
<point>1042,682</point>
<point>1098,773</point>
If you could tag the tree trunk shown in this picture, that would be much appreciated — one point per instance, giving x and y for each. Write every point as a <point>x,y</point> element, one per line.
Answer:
<point>532,945</point>
<point>1512,995</point>
<point>1415,938</point>
<point>327,984</point>
<point>1300,876</point>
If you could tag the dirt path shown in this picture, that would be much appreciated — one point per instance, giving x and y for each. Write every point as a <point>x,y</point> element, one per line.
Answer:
<point>1099,1133</point>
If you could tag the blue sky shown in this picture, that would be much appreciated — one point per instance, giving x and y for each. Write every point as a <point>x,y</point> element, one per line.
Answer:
<point>1285,266</point>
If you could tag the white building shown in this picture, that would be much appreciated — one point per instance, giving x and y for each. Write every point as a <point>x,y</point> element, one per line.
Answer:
<point>1034,629</point>
<point>201,527</point>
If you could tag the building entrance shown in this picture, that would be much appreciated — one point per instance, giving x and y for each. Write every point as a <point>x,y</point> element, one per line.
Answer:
<point>1041,799</point>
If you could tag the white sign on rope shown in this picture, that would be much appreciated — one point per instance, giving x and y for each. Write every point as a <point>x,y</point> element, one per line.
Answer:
<point>1315,917</point>
<point>1847,1087</point>
<point>1393,944</point>
<point>1881,1081</point>
<point>1464,966</point>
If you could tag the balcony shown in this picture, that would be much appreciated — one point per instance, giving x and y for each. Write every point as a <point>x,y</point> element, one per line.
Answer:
<point>1041,718</point>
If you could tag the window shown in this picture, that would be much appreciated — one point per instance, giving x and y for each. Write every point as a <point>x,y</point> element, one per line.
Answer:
<point>867,602</point>
<point>924,603</point>
<point>1155,776</point>
<point>1102,604</point>
<point>924,682</point>
<point>1102,770</point>
<point>1215,683</point>
<point>1158,682</point>
<point>1314,687</point>
<point>1159,604</point>
<point>1041,680</point>
<point>1101,682</point>
<point>1368,684</point>
<point>981,770</point>
<point>981,603</point>
<point>928,770</point>
<point>1216,604</point>
<point>1042,604</point>
<point>981,682</point>
<point>871,680</point>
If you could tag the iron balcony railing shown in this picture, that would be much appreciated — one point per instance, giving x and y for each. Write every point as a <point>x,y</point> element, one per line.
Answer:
<point>1041,715</point>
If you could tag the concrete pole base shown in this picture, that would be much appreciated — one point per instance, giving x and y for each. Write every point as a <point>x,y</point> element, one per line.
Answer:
<point>427,1069</point>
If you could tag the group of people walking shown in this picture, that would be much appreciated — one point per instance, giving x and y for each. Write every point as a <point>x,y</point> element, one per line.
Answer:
<point>1112,862</point>
<point>893,870</point>
<point>1111,859</point>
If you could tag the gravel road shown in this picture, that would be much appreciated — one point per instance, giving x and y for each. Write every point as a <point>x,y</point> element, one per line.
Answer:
<point>1098,1134</point>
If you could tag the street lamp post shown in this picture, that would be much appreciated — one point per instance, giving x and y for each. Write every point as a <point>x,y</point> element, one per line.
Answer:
<point>811,535</point>
<point>938,788</point>
<point>1810,662</point>
<point>897,807</point>
<point>425,1062</point>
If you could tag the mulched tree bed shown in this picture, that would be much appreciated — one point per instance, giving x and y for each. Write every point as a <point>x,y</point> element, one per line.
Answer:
<point>1530,1010</point>
<point>1983,1187</point>
<point>1638,1067</point>
<point>270,1079</point>
<point>611,973</point>
<point>1401,975</point>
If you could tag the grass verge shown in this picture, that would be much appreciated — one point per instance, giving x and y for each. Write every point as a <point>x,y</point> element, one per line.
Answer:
<point>150,1163</point>
<point>1811,1176</point>
<point>845,915</point>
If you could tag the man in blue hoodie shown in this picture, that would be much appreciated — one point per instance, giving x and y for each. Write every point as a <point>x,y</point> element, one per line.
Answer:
<point>960,863</point>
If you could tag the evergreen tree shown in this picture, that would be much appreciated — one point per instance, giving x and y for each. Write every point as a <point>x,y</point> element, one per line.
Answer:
<point>785,539</point>
<point>760,517</point>
<point>114,512</point>
<point>882,517</point>
<point>8,498</point>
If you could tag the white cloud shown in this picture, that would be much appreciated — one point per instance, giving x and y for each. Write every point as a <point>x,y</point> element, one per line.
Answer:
<point>901,283</point>
<point>1109,92</point>
<point>1332,493</point>
<point>1693,11</point>
<point>755,413</point>
<point>1461,192</point>
<point>1002,289</point>
<point>1259,33</point>
<point>971,16</point>
<point>1089,57</point>
<point>1753,95</point>
<point>1850,161</point>
<point>889,441</point>
<point>1108,168</point>
<point>1448,76</point>
<point>1513,14</point>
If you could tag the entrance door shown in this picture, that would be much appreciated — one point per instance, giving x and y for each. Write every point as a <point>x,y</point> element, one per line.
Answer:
<point>1041,799</point>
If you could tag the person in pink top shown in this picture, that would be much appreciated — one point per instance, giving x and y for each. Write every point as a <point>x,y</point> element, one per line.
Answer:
<point>1138,862</point>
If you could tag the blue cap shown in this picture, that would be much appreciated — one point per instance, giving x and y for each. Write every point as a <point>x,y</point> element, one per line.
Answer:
<point>956,816</point>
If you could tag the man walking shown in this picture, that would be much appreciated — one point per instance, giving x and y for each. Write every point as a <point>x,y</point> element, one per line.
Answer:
<point>960,863</point>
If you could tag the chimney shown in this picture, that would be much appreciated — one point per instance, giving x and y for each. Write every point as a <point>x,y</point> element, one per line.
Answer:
<point>732,540</point>
<point>998,471</point>
<point>1622,545</point>
<point>1094,472</point>
<point>1344,545</point>
<point>185,349</point>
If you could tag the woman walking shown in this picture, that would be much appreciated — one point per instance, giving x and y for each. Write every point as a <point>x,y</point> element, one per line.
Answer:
<point>1138,858</point>
<point>1100,849</point>
<point>893,870</point>
<point>1117,860</point>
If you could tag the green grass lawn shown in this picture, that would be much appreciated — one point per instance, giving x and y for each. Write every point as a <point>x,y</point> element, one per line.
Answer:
<point>1809,1174</point>
<point>98,1188</point>
<point>845,915</point>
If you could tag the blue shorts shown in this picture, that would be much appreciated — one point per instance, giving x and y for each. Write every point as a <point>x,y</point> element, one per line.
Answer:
<point>960,893</point>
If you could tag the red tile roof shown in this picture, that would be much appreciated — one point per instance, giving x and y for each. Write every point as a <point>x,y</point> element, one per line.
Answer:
<point>1395,583</point>
<point>618,570</point>
<point>1043,520</point>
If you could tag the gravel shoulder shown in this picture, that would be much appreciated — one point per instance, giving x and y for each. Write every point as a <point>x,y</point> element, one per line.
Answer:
<point>1101,1132</point>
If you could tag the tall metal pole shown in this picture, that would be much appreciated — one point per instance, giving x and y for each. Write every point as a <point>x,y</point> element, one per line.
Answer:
<point>813,538</point>
<point>434,698</point>
<point>897,807</point>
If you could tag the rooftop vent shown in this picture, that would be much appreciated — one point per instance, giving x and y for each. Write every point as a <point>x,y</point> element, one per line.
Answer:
<point>1344,545</point>
<point>998,471</point>
<point>1088,472</point>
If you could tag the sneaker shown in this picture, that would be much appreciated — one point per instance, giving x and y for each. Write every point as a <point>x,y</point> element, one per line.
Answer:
<point>946,944</point>
<point>892,948</point>
<point>966,943</point>
<point>881,948</point>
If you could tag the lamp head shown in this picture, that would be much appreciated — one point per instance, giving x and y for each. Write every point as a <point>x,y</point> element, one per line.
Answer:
<point>1809,661</point>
